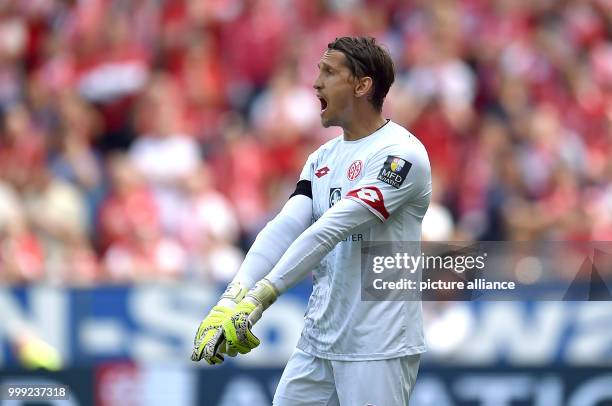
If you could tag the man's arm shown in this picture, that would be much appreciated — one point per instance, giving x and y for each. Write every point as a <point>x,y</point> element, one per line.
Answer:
<point>301,256</point>
<point>268,247</point>
<point>274,240</point>
<point>317,241</point>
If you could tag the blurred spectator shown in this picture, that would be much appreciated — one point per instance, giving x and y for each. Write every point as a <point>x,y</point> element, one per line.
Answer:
<point>13,42</point>
<point>202,83</point>
<point>57,212</point>
<point>253,43</point>
<point>74,159</point>
<point>21,253</point>
<point>129,206</point>
<point>240,169</point>
<point>209,230</point>
<point>144,257</point>
<point>163,154</point>
<point>22,146</point>
<point>285,110</point>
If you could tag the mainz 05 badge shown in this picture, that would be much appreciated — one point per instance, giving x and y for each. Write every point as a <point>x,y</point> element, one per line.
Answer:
<point>394,171</point>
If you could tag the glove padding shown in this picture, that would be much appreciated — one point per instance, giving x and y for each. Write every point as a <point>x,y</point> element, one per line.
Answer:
<point>209,337</point>
<point>209,342</point>
<point>237,327</point>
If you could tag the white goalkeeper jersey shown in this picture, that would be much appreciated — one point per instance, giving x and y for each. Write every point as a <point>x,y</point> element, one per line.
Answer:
<point>388,173</point>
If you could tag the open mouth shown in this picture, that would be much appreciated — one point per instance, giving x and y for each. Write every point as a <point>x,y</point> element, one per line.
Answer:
<point>323,104</point>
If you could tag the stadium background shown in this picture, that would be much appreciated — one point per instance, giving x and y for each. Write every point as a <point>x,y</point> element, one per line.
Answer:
<point>144,143</point>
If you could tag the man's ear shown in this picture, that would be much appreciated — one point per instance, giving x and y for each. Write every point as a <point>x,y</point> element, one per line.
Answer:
<point>363,86</point>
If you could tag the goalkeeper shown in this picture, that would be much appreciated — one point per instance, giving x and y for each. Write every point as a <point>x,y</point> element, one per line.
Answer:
<point>371,183</point>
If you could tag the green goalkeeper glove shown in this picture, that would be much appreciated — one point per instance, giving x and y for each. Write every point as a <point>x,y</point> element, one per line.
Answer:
<point>209,342</point>
<point>237,327</point>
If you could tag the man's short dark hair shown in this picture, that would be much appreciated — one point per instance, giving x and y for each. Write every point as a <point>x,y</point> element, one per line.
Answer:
<point>365,57</point>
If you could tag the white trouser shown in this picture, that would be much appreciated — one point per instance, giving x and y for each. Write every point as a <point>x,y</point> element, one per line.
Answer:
<point>308,380</point>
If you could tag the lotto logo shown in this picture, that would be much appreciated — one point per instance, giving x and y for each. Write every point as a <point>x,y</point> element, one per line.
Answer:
<point>322,172</point>
<point>373,197</point>
<point>368,194</point>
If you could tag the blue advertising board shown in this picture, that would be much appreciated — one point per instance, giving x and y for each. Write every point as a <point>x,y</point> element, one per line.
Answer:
<point>153,322</point>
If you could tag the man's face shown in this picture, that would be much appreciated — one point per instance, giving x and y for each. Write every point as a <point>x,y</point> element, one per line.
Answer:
<point>335,89</point>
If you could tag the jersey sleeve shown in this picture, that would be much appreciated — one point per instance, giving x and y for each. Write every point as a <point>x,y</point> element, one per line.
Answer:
<point>304,183</point>
<point>272,242</point>
<point>309,167</point>
<point>393,176</point>
<point>317,241</point>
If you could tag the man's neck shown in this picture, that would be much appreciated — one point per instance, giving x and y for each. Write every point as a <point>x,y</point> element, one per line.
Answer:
<point>362,126</point>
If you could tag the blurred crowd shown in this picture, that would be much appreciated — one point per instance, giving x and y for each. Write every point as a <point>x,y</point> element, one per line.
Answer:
<point>150,139</point>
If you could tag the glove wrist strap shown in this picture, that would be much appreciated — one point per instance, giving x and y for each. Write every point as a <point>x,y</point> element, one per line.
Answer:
<point>263,294</point>
<point>233,294</point>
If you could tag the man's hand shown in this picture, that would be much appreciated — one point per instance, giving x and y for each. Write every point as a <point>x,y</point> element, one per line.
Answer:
<point>209,337</point>
<point>237,327</point>
<point>209,342</point>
